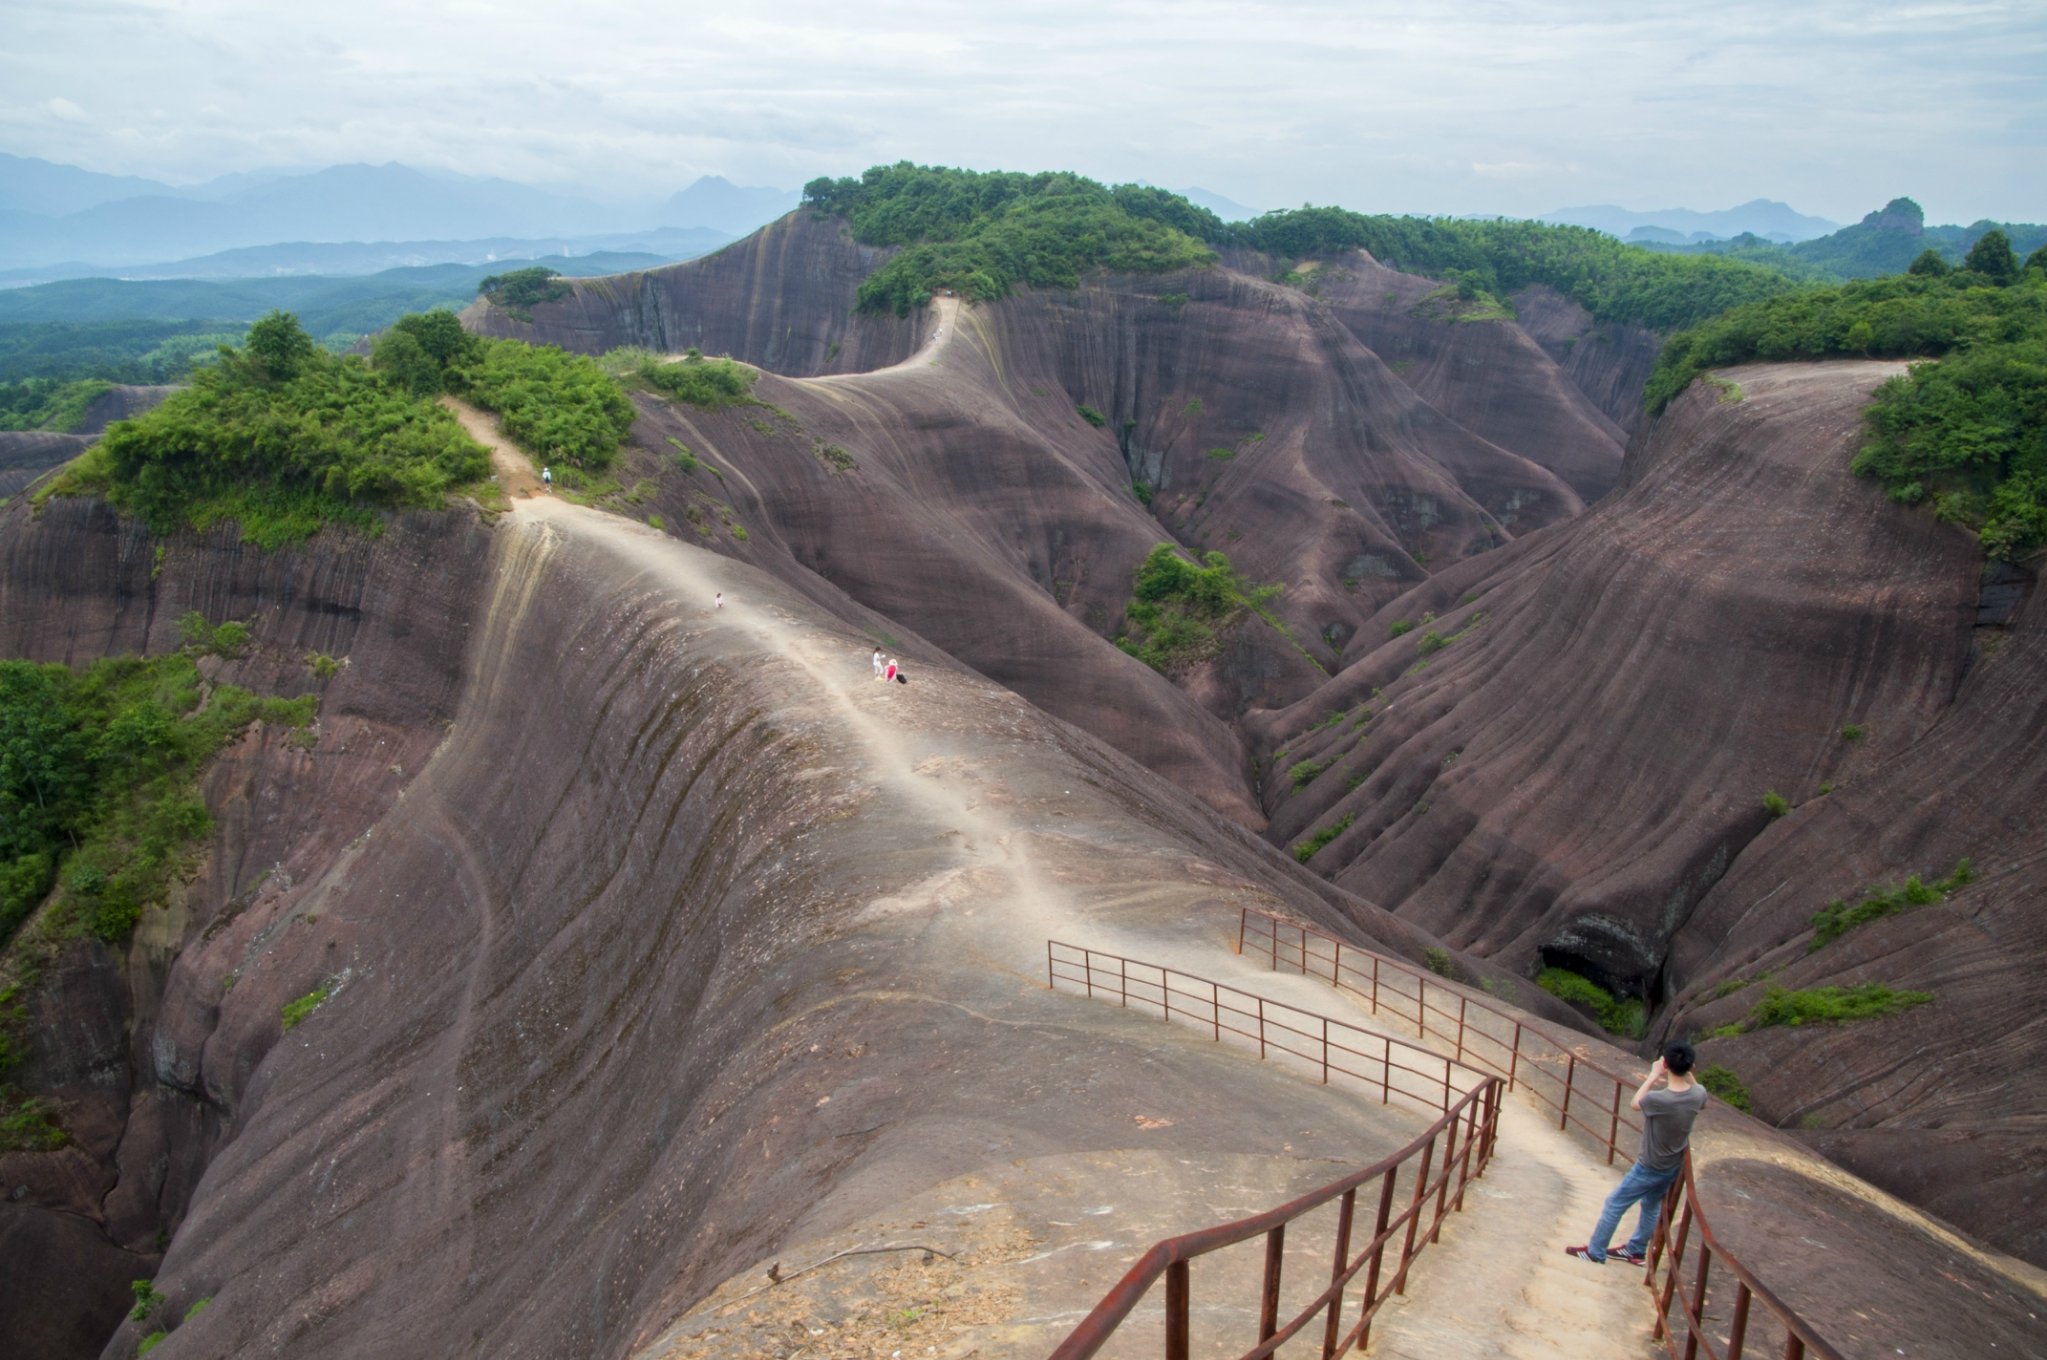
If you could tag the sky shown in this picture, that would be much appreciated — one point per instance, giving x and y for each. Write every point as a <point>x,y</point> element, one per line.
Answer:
<point>1476,106</point>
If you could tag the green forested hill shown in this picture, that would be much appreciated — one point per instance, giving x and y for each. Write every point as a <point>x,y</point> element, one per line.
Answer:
<point>1884,242</point>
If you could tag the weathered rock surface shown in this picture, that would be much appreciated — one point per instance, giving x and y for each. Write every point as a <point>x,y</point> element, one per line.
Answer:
<point>1577,777</point>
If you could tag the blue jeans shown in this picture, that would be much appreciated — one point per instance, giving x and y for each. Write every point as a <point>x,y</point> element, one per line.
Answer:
<point>1640,1185</point>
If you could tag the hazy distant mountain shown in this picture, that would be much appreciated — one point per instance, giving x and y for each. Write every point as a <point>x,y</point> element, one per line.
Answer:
<point>1228,209</point>
<point>28,185</point>
<point>1762,217</point>
<point>346,259</point>
<point>341,203</point>
<point>735,209</point>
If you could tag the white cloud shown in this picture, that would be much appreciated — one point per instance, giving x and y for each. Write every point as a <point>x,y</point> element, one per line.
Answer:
<point>1507,105</point>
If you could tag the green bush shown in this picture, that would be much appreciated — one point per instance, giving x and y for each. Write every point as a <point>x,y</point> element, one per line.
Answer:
<point>1775,803</point>
<point>1722,1082</point>
<point>1624,1017</point>
<point>1092,416</point>
<point>1399,627</point>
<point>150,1342</point>
<point>1304,850</point>
<point>709,383</point>
<point>1837,918</point>
<point>280,439</point>
<point>1305,770</point>
<point>520,289</point>
<point>1439,961</point>
<point>562,408</point>
<point>147,1300</point>
<point>1851,732</point>
<point>1178,610</point>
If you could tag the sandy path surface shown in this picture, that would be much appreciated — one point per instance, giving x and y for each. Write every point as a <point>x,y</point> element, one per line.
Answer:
<point>509,464</point>
<point>944,313</point>
<point>1498,1283</point>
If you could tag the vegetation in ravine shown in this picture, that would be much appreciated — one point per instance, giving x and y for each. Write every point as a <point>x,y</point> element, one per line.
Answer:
<point>981,234</point>
<point>1179,611</point>
<point>1838,917</point>
<point>1966,435</point>
<point>98,770</point>
<point>1616,1015</point>
<point>1823,1006</point>
<point>1305,848</point>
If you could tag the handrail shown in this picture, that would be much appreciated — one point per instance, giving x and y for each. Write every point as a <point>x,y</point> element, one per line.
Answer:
<point>1700,1304</point>
<point>1509,1046</point>
<point>1466,1131</point>
<point>1682,1208</point>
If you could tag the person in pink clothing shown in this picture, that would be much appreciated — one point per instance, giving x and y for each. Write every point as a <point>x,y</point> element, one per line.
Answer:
<point>890,673</point>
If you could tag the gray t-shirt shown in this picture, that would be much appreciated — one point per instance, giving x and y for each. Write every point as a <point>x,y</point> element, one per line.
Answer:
<point>1667,1117</point>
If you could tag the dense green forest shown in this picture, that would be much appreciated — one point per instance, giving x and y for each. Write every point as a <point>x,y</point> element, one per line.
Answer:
<point>48,403</point>
<point>981,234</point>
<point>141,352</point>
<point>1966,435</point>
<point>1613,281</point>
<point>281,437</point>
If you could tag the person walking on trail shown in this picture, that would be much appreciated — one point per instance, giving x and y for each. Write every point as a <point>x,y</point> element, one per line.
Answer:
<point>547,480</point>
<point>877,663</point>
<point>1667,1117</point>
<point>718,601</point>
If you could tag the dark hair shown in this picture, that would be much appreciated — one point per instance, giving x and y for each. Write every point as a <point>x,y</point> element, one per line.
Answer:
<point>1678,1058</point>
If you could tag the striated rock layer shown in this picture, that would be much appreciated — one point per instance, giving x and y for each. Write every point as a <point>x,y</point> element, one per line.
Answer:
<point>1568,764</point>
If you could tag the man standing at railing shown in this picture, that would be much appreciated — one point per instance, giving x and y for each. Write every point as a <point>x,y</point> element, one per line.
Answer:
<point>1667,1117</point>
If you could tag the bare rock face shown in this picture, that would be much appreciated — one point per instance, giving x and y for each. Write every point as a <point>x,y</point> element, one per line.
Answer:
<point>782,298</point>
<point>1607,361</point>
<point>1577,746</point>
<point>26,455</point>
<point>118,1035</point>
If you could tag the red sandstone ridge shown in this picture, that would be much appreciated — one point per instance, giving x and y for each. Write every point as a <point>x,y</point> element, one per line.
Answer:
<point>1254,417</point>
<point>1577,777</point>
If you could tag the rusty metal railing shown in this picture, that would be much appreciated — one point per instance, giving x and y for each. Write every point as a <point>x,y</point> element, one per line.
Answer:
<point>1584,1097</point>
<point>1438,1164</point>
<point>1330,1050</point>
<point>1715,1315</point>
<point>1716,1312</point>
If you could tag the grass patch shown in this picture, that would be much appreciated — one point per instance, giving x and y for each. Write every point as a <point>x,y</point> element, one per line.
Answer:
<point>1824,1006</point>
<point>1304,850</point>
<point>295,1011</point>
<point>1399,627</point>
<point>1091,415</point>
<point>693,380</point>
<point>1837,918</point>
<point>1722,1082</point>
<point>1775,803</point>
<point>323,666</point>
<point>1622,1016</point>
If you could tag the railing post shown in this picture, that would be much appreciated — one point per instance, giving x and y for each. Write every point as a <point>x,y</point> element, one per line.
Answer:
<point>1051,977</point>
<point>1375,984</point>
<point>1275,946</point>
<point>1613,1127</point>
<point>1695,1313</point>
<point>1385,1070</point>
<point>1166,992</point>
<point>1336,966</point>
<point>1176,1311</point>
<point>1243,919</point>
<point>1570,1080</point>
<point>1443,1185</point>
<point>1514,1060</point>
<point>1345,1211</point>
<point>1414,1216</point>
<point>1737,1331</point>
<point>1087,959</point>
<point>1378,1251</point>
<point>1125,976</point>
<point>1462,1002</point>
<point>1268,1301</point>
<point>1325,1050</point>
<point>1261,1027</point>
<point>1215,1010</point>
